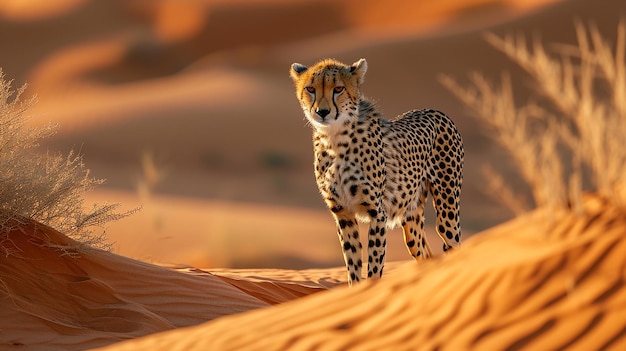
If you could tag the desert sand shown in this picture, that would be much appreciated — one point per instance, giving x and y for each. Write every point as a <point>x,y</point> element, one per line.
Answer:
<point>58,295</point>
<point>233,248</point>
<point>559,285</point>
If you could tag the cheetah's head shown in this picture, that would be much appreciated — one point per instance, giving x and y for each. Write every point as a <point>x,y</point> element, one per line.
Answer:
<point>329,91</point>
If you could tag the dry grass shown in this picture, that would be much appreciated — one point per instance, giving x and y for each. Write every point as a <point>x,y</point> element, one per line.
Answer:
<point>48,188</point>
<point>571,131</point>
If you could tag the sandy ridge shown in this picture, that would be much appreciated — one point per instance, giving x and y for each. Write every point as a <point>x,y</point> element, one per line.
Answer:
<point>523,285</point>
<point>57,294</point>
<point>77,298</point>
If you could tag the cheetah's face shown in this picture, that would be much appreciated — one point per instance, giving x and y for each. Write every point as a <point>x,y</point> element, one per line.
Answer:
<point>329,91</point>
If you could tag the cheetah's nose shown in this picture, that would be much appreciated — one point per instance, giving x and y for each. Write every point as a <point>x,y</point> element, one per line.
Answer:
<point>322,112</point>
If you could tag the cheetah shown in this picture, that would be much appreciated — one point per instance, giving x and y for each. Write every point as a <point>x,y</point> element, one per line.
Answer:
<point>379,171</point>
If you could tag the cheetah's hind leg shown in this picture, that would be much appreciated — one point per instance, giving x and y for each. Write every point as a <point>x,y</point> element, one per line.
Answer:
<point>446,203</point>
<point>414,234</point>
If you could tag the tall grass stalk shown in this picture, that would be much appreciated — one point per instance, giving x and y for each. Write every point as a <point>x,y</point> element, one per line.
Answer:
<point>574,126</point>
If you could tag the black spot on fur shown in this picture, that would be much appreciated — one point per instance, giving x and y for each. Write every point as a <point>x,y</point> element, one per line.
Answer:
<point>336,209</point>
<point>353,189</point>
<point>449,234</point>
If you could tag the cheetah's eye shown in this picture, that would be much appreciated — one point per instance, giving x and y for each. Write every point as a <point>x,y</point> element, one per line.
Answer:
<point>311,90</point>
<point>338,90</point>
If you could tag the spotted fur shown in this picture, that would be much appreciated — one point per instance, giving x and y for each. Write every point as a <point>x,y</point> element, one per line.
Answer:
<point>376,170</point>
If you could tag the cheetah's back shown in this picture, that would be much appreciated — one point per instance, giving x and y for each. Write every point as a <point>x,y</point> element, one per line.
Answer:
<point>422,149</point>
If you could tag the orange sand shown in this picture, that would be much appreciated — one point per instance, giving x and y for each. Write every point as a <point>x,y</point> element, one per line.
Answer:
<point>526,284</point>
<point>522,285</point>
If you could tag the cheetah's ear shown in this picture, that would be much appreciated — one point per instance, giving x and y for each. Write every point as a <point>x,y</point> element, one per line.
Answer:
<point>358,69</point>
<point>296,70</point>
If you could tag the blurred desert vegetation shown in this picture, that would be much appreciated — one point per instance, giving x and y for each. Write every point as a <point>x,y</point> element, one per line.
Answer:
<point>185,107</point>
<point>569,136</point>
<point>48,188</point>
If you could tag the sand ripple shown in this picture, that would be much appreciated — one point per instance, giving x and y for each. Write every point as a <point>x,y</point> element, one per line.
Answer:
<point>531,284</point>
<point>523,285</point>
<point>71,300</point>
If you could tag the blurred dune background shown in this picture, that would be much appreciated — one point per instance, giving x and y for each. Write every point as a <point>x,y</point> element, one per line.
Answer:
<point>186,107</point>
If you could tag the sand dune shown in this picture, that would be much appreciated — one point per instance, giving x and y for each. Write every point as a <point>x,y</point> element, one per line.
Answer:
<point>60,298</point>
<point>522,285</point>
<point>533,283</point>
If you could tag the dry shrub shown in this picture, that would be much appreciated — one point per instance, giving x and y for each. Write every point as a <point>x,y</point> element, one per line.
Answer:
<point>572,131</point>
<point>48,188</point>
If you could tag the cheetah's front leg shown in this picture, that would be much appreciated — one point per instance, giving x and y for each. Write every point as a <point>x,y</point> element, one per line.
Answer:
<point>348,232</point>
<point>377,243</point>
